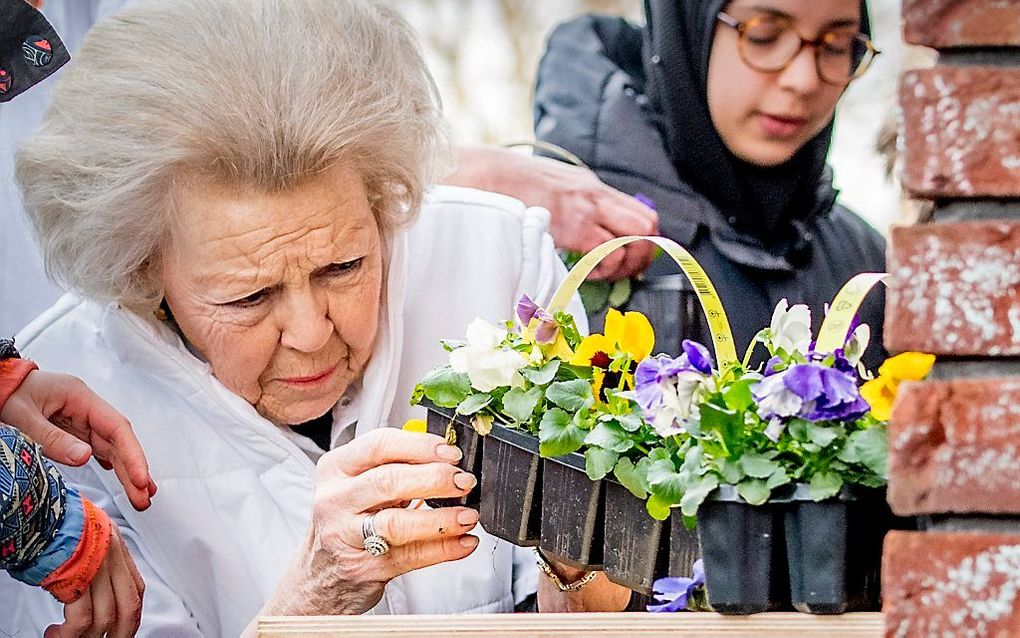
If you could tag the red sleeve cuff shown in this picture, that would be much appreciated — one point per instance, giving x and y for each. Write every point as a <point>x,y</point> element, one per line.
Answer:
<point>71,579</point>
<point>12,373</point>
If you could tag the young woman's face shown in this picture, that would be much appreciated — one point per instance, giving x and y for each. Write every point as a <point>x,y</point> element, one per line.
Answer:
<point>764,118</point>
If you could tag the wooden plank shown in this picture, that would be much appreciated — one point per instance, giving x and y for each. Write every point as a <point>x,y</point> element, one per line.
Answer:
<point>624,625</point>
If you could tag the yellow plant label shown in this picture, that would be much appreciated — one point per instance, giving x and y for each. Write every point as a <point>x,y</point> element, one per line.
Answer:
<point>836,325</point>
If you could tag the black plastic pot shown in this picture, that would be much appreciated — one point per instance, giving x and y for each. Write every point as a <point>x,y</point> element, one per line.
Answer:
<point>572,513</point>
<point>635,548</point>
<point>446,423</point>
<point>744,568</point>
<point>511,503</point>
<point>834,550</point>
<point>684,548</point>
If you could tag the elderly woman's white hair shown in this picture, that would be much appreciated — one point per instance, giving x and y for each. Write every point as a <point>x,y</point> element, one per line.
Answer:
<point>258,94</point>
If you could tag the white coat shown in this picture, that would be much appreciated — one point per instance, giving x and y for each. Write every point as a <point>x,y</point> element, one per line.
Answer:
<point>235,491</point>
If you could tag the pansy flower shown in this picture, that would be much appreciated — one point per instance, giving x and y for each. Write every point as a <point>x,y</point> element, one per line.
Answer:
<point>675,592</point>
<point>541,328</point>
<point>667,389</point>
<point>629,333</point>
<point>881,391</point>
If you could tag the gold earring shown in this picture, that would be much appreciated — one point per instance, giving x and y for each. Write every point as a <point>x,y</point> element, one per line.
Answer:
<point>160,312</point>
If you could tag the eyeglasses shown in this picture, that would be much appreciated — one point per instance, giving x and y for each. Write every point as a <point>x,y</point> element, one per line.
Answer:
<point>770,43</point>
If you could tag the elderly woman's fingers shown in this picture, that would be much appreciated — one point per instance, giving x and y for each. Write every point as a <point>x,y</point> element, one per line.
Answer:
<point>612,262</point>
<point>388,445</point>
<point>403,526</point>
<point>395,482</point>
<point>402,559</point>
<point>57,445</point>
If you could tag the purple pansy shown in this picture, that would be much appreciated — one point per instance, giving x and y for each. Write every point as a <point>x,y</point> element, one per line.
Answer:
<point>645,199</point>
<point>675,592</point>
<point>547,327</point>
<point>810,391</point>
<point>667,389</point>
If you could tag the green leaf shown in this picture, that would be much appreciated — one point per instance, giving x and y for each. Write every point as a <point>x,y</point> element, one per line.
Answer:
<point>482,423</point>
<point>543,375</point>
<point>754,491</point>
<point>723,421</point>
<point>571,395</point>
<point>520,405</point>
<point>418,394</point>
<point>619,293</point>
<point>696,493</point>
<point>594,295</point>
<point>824,485</point>
<point>558,434</point>
<point>731,471</point>
<point>609,436</point>
<point>473,403</point>
<point>632,478</point>
<point>657,508</point>
<point>446,388</point>
<point>658,454</point>
<point>779,477</point>
<point>665,481</point>
<point>757,465</point>
<point>798,430</point>
<point>738,395</point>
<point>598,462</point>
<point>848,453</point>
<point>872,447</point>
<point>630,422</point>
<point>821,435</point>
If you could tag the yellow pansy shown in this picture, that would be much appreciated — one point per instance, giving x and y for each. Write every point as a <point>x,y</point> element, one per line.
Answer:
<point>631,332</point>
<point>880,392</point>
<point>415,425</point>
<point>909,366</point>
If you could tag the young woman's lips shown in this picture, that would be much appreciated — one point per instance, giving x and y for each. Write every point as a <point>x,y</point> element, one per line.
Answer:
<point>781,126</point>
<point>312,380</point>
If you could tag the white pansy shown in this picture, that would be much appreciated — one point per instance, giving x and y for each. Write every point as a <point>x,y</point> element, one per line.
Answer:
<point>679,403</point>
<point>775,428</point>
<point>791,327</point>
<point>775,399</point>
<point>487,364</point>
<point>857,344</point>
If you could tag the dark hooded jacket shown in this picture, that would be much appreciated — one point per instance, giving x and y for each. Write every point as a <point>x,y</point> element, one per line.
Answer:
<point>630,103</point>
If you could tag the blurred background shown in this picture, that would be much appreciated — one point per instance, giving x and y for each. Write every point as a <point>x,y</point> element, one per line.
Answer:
<point>484,54</point>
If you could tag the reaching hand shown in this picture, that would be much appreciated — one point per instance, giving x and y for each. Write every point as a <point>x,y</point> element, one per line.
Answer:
<point>584,211</point>
<point>72,423</point>
<point>112,605</point>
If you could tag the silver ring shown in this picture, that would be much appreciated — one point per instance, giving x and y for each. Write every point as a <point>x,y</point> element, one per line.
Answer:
<point>374,544</point>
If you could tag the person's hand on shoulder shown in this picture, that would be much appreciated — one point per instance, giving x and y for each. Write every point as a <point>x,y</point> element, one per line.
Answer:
<point>584,211</point>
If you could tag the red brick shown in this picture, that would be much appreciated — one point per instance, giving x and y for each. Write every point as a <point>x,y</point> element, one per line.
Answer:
<point>961,23</point>
<point>955,289</point>
<point>961,131</point>
<point>954,447</point>
<point>943,584</point>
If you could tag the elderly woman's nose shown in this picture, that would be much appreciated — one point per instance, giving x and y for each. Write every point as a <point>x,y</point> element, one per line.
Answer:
<point>305,325</point>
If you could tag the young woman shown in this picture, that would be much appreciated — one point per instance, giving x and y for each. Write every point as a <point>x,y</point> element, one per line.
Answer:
<point>721,113</point>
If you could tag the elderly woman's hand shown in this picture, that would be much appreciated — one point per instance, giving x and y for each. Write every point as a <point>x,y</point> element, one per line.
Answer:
<point>584,211</point>
<point>377,473</point>
<point>112,605</point>
<point>72,423</point>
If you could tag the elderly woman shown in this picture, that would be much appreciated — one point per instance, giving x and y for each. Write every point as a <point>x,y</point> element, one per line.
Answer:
<point>236,192</point>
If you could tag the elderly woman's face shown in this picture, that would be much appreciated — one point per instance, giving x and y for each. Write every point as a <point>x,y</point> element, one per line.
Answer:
<point>279,292</point>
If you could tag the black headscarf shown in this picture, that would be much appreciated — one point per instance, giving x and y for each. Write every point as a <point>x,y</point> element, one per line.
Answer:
<point>757,200</point>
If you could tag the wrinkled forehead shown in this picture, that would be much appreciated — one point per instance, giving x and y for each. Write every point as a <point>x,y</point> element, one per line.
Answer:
<point>213,218</point>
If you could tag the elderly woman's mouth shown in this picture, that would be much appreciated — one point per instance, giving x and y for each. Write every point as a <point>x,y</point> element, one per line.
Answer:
<point>314,379</point>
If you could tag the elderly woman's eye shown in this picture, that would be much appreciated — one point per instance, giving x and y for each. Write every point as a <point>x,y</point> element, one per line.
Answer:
<point>342,268</point>
<point>250,301</point>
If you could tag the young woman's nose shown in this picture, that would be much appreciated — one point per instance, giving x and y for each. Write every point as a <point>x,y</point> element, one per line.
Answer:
<point>801,75</point>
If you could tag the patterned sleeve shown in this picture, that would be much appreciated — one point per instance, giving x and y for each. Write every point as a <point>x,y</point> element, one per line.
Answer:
<point>33,501</point>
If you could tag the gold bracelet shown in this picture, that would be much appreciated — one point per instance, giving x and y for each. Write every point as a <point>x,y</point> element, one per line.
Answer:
<point>547,569</point>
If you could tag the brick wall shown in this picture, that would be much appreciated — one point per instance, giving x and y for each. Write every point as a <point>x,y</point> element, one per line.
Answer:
<point>954,440</point>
